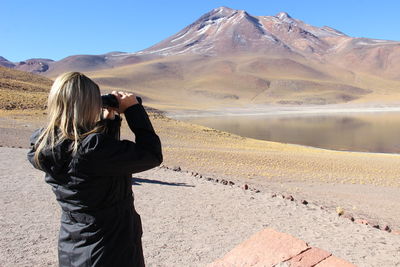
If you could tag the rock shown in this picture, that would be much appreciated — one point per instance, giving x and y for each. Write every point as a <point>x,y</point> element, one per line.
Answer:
<point>176,168</point>
<point>208,178</point>
<point>396,232</point>
<point>339,211</point>
<point>348,216</point>
<point>273,195</point>
<point>309,257</point>
<point>265,248</point>
<point>224,182</point>
<point>289,197</point>
<point>334,261</point>
<point>376,226</point>
<point>217,180</point>
<point>361,221</point>
<point>245,187</point>
<point>257,191</point>
<point>305,202</point>
<point>386,228</point>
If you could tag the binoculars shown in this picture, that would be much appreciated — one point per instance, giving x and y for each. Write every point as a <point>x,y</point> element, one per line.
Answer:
<point>111,101</point>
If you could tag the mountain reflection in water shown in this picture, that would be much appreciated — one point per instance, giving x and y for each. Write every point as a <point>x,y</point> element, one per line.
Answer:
<point>378,132</point>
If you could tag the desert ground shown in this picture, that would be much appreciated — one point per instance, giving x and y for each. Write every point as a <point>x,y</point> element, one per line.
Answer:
<point>210,218</point>
<point>187,220</point>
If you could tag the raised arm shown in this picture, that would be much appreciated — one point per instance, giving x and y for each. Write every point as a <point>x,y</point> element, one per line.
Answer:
<point>104,155</point>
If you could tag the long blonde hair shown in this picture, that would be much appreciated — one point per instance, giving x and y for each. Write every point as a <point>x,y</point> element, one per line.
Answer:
<point>74,107</point>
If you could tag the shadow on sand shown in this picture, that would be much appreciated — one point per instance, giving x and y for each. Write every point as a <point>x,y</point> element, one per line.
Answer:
<point>138,181</point>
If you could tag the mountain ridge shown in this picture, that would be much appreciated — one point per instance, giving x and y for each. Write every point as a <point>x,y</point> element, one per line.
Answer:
<point>224,31</point>
<point>229,57</point>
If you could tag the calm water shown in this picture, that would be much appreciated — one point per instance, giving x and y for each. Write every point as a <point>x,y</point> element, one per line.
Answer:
<point>369,132</point>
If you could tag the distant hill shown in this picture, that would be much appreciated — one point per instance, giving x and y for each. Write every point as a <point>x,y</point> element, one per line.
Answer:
<point>231,58</point>
<point>22,90</point>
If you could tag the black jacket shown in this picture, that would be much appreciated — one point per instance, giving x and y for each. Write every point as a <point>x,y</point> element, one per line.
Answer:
<point>99,225</point>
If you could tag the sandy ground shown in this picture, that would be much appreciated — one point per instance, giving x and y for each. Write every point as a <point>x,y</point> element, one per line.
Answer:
<point>187,221</point>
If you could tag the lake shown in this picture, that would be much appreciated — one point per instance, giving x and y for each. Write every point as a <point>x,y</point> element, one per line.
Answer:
<point>370,132</point>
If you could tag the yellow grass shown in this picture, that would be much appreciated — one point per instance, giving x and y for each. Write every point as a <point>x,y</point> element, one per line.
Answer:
<point>22,90</point>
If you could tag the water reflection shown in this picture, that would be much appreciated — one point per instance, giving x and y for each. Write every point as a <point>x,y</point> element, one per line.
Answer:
<point>370,132</point>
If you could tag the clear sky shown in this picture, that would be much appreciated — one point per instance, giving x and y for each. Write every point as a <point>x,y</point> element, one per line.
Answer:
<point>59,28</point>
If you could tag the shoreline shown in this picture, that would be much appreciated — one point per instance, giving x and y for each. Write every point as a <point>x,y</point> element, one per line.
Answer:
<point>328,110</point>
<point>271,115</point>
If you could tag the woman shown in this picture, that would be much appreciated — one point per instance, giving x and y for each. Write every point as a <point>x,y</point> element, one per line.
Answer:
<point>90,171</point>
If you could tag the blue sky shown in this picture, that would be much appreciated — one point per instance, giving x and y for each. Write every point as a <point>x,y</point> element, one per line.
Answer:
<point>56,29</point>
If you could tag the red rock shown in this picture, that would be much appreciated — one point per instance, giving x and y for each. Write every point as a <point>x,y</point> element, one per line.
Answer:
<point>265,248</point>
<point>309,258</point>
<point>245,187</point>
<point>361,221</point>
<point>396,232</point>
<point>305,202</point>
<point>333,261</point>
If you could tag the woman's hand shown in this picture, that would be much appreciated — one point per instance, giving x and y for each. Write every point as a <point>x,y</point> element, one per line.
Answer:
<point>108,113</point>
<point>125,100</point>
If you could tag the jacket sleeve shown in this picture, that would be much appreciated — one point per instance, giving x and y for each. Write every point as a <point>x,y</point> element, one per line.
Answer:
<point>104,155</point>
<point>31,152</point>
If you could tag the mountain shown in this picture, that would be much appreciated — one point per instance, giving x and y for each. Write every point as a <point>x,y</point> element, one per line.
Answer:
<point>5,63</point>
<point>34,65</point>
<point>86,63</point>
<point>230,58</point>
<point>226,31</point>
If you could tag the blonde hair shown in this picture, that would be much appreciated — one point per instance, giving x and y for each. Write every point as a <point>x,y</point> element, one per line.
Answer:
<point>74,107</point>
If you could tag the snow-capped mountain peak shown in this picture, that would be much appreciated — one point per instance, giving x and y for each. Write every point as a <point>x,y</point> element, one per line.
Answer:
<point>283,16</point>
